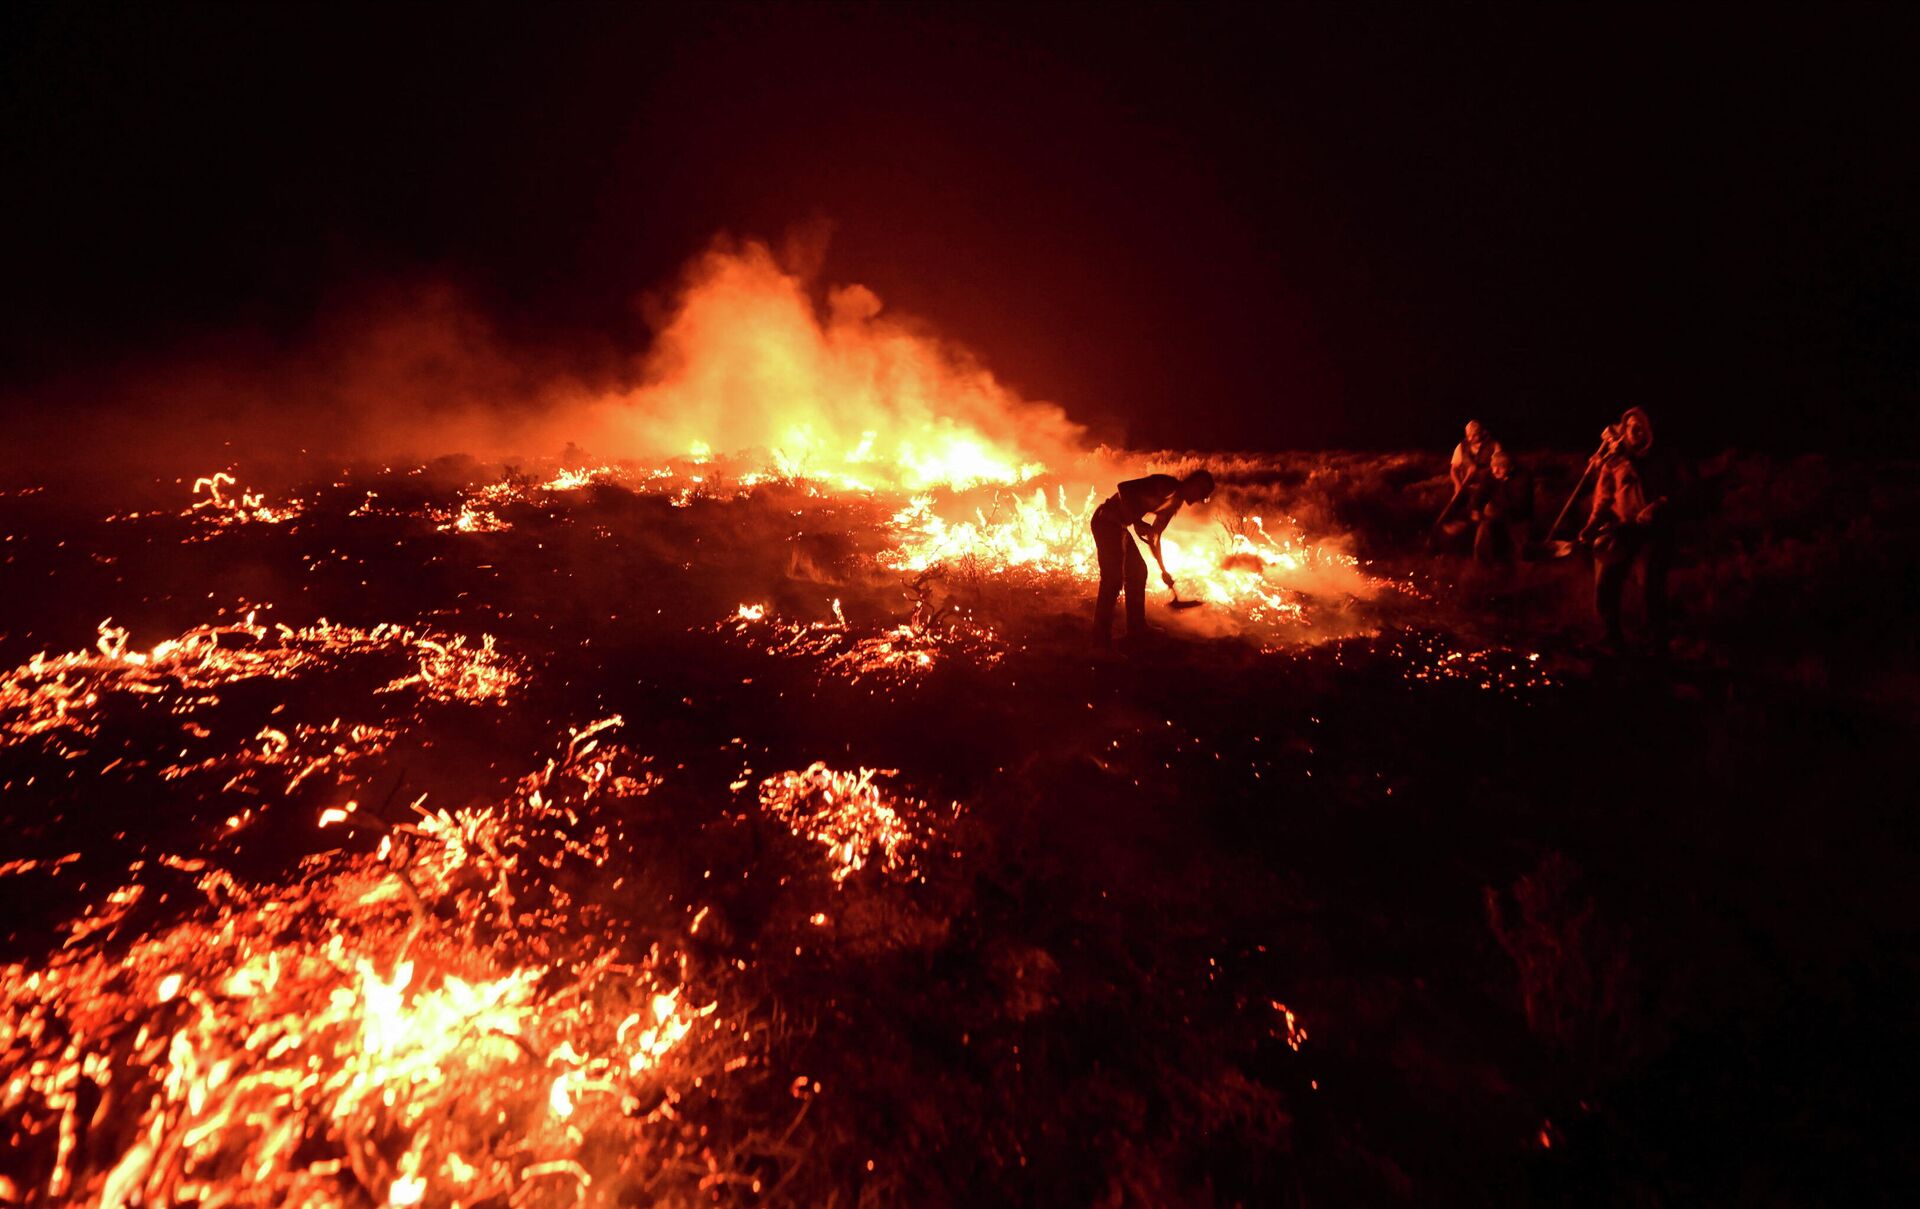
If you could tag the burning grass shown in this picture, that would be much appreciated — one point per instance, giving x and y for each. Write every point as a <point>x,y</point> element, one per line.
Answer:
<point>893,655</point>
<point>856,820</point>
<point>433,1021</point>
<point>49,695</point>
<point>320,943</point>
<point>219,499</point>
<point>973,520</point>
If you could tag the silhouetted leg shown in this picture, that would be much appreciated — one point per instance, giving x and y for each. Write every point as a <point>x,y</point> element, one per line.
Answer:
<point>1107,541</point>
<point>1492,542</point>
<point>1136,587</point>
<point>1612,559</point>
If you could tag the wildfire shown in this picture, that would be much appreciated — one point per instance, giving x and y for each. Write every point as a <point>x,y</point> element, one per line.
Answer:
<point>841,394</point>
<point>894,654</point>
<point>64,692</point>
<point>471,999</point>
<point>478,510</point>
<point>226,503</point>
<point>856,821</point>
<point>469,518</point>
<point>1244,566</point>
<point>372,1030</point>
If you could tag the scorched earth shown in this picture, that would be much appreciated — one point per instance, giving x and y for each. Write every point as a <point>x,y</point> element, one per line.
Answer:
<point>729,831</point>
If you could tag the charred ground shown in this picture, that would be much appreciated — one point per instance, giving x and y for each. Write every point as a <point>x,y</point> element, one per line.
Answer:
<point>1449,912</point>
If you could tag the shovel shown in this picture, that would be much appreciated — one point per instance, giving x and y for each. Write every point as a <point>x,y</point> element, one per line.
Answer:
<point>1560,549</point>
<point>1176,604</point>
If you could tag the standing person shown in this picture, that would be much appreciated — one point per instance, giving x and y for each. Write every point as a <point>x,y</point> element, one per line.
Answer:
<point>1471,463</point>
<point>1502,509</point>
<point>1634,502</point>
<point>1473,456</point>
<point>1145,506</point>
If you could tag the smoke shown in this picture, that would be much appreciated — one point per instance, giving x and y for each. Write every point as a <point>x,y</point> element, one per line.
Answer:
<point>748,356</point>
<point>749,361</point>
<point>408,373</point>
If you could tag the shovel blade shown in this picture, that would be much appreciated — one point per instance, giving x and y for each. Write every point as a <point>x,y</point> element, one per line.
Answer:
<point>1553,550</point>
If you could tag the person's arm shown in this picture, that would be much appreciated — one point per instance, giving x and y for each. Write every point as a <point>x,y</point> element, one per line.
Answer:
<point>1602,507</point>
<point>1150,533</point>
<point>1457,466</point>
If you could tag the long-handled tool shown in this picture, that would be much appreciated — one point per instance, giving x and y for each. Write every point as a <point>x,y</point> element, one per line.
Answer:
<point>1166,577</point>
<point>1560,549</point>
<point>1446,514</point>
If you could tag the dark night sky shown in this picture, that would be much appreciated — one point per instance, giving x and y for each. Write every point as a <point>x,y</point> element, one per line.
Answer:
<point>1213,228</point>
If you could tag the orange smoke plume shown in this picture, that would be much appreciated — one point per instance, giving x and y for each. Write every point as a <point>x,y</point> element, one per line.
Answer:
<point>748,362</point>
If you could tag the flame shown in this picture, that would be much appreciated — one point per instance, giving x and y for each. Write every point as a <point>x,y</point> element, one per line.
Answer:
<point>296,1039</point>
<point>238,508</point>
<point>1260,575</point>
<point>64,692</point>
<point>892,654</point>
<point>749,361</point>
<point>846,813</point>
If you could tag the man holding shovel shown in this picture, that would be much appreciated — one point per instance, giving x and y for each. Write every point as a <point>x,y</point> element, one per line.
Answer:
<point>1633,518</point>
<point>1472,457</point>
<point>1145,506</point>
<point>1470,466</point>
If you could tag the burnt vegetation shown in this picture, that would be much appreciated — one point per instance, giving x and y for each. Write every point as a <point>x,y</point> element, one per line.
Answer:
<point>1444,909</point>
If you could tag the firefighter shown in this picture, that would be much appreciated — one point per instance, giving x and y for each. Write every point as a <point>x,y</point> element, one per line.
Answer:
<point>1502,510</point>
<point>1145,506</point>
<point>1472,457</point>
<point>1634,505</point>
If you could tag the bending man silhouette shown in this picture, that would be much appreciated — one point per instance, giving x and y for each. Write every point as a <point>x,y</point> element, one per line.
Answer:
<point>1144,505</point>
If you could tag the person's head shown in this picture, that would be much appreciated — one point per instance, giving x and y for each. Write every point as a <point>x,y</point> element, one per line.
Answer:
<point>1476,433</point>
<point>1636,429</point>
<point>1196,487</point>
<point>1502,465</point>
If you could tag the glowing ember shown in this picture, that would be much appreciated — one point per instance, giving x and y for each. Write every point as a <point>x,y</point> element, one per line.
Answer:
<point>373,1030</point>
<point>478,510</point>
<point>855,820</point>
<point>1429,658</point>
<point>1295,1032</point>
<point>308,752</point>
<point>896,654</point>
<point>64,692</point>
<point>468,518</point>
<point>450,670</point>
<point>226,503</point>
<point>573,480</point>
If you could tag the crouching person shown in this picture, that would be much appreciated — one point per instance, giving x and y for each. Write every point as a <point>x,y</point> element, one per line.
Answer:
<point>1635,506</point>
